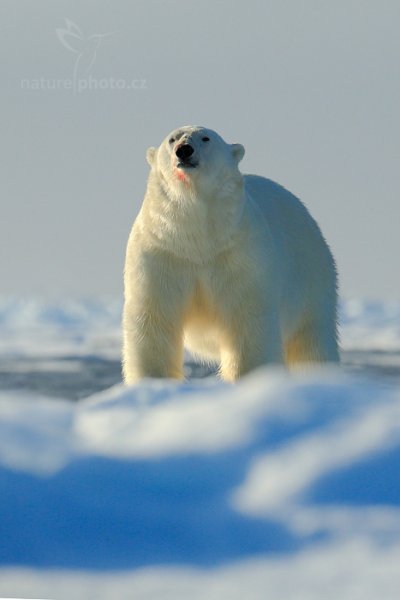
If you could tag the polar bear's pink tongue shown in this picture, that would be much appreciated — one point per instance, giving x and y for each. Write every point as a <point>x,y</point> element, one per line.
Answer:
<point>180,175</point>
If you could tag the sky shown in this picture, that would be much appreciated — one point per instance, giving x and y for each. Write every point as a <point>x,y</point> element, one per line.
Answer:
<point>311,88</point>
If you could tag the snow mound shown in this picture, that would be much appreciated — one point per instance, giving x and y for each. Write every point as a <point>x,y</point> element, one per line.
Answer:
<point>169,480</point>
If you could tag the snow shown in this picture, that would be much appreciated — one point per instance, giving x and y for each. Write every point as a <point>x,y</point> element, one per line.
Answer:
<point>370,325</point>
<point>281,487</point>
<point>353,571</point>
<point>34,327</point>
<point>92,326</point>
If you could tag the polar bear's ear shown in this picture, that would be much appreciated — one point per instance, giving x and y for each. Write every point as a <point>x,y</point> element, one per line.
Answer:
<point>237,152</point>
<point>150,154</point>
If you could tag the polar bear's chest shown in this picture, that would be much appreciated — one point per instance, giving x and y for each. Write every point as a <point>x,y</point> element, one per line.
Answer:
<point>212,285</point>
<point>202,300</point>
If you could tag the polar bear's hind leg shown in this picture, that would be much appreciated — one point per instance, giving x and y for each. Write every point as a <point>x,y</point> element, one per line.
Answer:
<point>312,343</point>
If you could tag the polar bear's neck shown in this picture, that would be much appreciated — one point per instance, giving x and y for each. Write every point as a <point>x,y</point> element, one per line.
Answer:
<point>192,225</point>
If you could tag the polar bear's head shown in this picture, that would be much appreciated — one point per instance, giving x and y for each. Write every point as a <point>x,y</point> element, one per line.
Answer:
<point>195,157</point>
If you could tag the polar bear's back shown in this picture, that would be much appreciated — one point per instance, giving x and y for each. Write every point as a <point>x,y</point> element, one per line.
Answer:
<point>293,229</point>
<point>279,206</point>
<point>306,265</point>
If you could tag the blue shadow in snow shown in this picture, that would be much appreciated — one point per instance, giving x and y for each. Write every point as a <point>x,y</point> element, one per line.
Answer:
<point>104,514</point>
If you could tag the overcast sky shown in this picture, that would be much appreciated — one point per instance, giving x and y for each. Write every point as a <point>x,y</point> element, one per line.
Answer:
<point>311,88</point>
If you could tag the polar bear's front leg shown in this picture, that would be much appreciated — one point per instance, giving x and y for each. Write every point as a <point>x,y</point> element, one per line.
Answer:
<point>251,343</point>
<point>156,297</point>
<point>153,346</point>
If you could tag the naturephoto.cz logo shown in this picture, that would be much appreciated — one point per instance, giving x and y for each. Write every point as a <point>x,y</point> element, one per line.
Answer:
<point>85,50</point>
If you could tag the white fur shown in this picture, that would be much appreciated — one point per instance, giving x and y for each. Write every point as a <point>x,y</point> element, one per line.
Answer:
<point>232,265</point>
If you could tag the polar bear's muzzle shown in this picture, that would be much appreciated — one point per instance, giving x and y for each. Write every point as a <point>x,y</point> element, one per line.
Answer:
<point>185,152</point>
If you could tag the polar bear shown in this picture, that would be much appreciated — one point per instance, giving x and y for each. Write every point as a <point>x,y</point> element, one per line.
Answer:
<point>231,266</point>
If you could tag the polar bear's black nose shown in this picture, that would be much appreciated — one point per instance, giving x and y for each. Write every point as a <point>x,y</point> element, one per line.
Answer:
<point>184,151</point>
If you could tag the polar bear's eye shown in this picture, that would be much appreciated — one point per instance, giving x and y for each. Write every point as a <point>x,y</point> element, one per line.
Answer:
<point>171,140</point>
<point>205,139</point>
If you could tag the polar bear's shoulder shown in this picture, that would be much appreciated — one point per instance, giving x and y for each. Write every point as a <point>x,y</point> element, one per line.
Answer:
<point>261,187</point>
<point>278,205</point>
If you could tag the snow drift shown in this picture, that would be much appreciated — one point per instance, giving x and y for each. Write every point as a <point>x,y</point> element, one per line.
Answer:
<point>284,487</point>
<point>167,477</point>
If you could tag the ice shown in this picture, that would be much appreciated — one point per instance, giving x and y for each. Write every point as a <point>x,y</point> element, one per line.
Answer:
<point>370,325</point>
<point>203,489</point>
<point>282,487</point>
<point>37,327</point>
